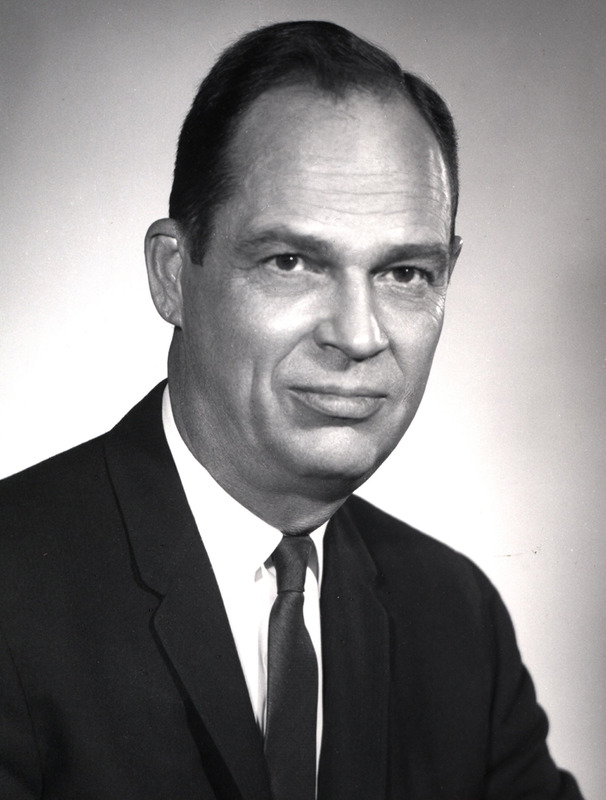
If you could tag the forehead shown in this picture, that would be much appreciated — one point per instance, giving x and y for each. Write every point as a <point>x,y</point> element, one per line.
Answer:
<point>352,161</point>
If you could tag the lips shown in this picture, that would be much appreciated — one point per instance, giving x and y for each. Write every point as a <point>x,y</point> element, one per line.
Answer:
<point>356,404</point>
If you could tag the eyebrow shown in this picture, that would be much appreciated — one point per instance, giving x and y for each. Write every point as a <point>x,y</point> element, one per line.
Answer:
<point>281,236</point>
<point>284,236</point>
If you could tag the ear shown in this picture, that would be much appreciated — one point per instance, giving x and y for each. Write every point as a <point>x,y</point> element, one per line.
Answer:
<point>164,256</point>
<point>455,250</point>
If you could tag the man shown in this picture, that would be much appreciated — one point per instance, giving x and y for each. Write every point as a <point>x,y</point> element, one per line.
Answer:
<point>155,642</point>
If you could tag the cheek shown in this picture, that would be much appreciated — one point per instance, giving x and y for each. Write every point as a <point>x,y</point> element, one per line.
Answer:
<point>273,328</point>
<point>414,338</point>
<point>246,346</point>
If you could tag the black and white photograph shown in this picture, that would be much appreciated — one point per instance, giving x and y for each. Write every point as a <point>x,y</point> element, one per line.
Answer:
<point>303,382</point>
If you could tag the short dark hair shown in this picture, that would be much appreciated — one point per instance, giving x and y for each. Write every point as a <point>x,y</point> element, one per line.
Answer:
<point>321,55</point>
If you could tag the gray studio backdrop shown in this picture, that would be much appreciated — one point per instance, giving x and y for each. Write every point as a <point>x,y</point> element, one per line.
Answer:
<point>506,460</point>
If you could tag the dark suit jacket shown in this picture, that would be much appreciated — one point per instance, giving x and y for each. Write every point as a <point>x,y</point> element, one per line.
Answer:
<point>120,678</point>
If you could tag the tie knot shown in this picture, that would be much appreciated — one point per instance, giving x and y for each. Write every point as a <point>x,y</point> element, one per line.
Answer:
<point>290,560</point>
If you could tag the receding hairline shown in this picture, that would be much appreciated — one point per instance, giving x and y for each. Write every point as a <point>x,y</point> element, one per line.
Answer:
<point>312,54</point>
<point>316,92</point>
<point>310,86</point>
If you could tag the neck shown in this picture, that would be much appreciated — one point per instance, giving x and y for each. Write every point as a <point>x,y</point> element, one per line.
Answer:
<point>289,509</point>
<point>295,507</point>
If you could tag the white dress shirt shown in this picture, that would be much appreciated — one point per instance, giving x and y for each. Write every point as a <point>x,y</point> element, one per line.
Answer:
<point>239,546</point>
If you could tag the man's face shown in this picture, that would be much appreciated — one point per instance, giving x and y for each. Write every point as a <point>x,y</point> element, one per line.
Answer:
<point>309,330</point>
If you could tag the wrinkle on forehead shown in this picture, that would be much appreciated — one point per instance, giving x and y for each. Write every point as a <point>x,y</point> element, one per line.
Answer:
<point>365,199</point>
<point>335,208</point>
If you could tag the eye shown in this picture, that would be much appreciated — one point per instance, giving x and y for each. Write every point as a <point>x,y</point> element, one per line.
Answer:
<point>408,274</point>
<point>287,262</point>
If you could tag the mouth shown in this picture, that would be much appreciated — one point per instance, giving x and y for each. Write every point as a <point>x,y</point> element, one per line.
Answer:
<point>357,404</point>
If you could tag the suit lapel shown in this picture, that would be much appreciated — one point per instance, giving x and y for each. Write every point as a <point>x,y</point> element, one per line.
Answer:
<point>355,654</point>
<point>190,622</point>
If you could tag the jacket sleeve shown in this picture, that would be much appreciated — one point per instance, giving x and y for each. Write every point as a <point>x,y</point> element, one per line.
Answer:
<point>20,775</point>
<point>520,763</point>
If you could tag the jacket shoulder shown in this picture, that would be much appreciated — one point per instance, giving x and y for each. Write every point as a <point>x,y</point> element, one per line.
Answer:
<point>68,499</point>
<point>407,559</point>
<point>386,536</point>
<point>39,489</point>
<point>66,479</point>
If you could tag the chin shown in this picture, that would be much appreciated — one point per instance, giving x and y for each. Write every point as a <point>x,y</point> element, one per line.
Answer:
<point>340,458</point>
<point>345,471</point>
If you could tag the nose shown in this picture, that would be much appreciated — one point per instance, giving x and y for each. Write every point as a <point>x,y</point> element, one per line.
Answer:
<point>352,325</point>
